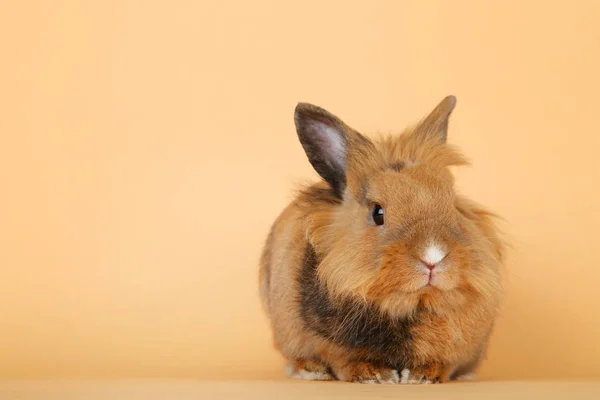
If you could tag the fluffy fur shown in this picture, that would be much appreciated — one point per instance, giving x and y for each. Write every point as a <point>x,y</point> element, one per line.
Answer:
<point>352,300</point>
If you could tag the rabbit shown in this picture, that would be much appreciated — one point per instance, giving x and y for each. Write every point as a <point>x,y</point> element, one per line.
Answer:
<point>381,272</point>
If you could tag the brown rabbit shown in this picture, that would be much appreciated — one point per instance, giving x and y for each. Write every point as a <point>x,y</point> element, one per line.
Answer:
<point>381,273</point>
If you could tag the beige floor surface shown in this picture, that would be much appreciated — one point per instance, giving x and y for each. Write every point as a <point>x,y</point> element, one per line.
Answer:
<point>224,390</point>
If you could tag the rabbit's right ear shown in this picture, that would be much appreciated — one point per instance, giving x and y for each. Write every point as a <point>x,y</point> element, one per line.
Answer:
<point>435,125</point>
<point>325,139</point>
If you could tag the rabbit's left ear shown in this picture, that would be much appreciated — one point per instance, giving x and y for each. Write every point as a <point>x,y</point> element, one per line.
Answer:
<point>329,144</point>
<point>435,125</point>
<point>324,138</point>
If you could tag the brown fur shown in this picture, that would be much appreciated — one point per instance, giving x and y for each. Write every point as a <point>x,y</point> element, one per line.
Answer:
<point>327,270</point>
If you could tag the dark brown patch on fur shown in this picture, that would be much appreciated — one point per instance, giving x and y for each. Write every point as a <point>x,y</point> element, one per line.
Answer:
<point>353,325</point>
<point>397,166</point>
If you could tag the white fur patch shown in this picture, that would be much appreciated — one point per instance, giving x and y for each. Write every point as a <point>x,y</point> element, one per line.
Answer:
<point>407,379</point>
<point>396,377</point>
<point>294,373</point>
<point>404,376</point>
<point>433,254</point>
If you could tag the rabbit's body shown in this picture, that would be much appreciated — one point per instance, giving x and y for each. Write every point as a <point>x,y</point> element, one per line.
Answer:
<point>352,295</point>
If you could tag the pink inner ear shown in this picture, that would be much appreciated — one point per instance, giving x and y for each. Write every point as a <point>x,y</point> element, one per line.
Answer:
<point>331,142</point>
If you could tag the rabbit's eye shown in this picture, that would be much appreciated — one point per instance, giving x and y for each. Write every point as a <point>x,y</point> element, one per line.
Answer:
<point>378,214</point>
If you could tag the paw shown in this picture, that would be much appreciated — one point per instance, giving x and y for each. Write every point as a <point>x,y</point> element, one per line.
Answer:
<point>309,370</point>
<point>413,378</point>
<point>364,372</point>
<point>424,375</point>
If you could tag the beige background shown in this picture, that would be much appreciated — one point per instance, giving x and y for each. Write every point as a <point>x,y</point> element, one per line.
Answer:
<point>146,147</point>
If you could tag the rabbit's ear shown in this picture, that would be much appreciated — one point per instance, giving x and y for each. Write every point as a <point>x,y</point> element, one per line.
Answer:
<point>435,125</point>
<point>327,142</point>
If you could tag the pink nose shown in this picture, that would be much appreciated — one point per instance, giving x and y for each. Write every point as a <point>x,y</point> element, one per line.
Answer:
<point>429,266</point>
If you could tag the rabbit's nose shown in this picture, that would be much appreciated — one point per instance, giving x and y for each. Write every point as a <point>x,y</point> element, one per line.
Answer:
<point>432,255</point>
<point>429,266</point>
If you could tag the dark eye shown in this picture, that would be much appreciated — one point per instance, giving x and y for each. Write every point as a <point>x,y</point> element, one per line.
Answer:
<point>378,214</point>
